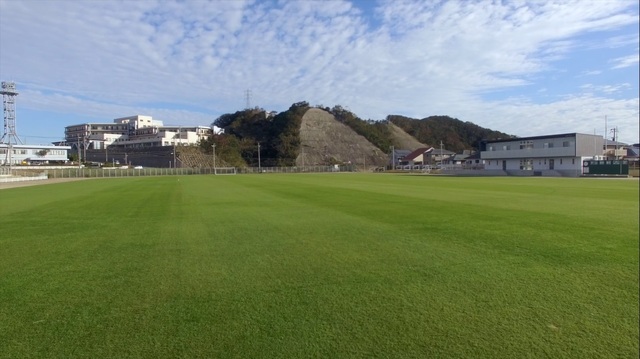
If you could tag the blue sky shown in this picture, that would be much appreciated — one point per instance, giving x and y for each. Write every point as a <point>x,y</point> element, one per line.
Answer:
<point>526,68</point>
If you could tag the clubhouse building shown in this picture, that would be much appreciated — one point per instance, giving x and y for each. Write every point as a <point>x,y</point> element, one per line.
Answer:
<point>551,155</point>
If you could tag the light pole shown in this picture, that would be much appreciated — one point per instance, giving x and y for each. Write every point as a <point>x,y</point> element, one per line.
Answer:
<point>174,154</point>
<point>259,165</point>
<point>214,158</point>
<point>441,157</point>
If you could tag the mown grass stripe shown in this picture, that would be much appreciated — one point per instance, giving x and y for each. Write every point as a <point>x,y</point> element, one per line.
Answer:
<point>320,266</point>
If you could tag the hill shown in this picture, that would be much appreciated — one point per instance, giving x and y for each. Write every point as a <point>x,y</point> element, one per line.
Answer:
<point>304,136</point>
<point>403,140</point>
<point>455,135</point>
<point>324,140</point>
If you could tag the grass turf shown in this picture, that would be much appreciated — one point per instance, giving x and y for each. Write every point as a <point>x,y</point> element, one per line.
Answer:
<point>344,265</point>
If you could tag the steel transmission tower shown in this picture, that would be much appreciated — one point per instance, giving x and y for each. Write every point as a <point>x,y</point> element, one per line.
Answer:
<point>247,96</point>
<point>9,93</point>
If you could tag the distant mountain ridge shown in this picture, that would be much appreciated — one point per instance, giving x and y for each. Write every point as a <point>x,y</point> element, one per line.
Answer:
<point>455,135</point>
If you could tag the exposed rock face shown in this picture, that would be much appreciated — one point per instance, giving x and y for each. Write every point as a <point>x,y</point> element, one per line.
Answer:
<point>403,140</point>
<point>324,140</point>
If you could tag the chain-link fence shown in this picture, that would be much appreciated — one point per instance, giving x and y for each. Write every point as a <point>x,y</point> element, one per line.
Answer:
<point>26,173</point>
<point>133,172</point>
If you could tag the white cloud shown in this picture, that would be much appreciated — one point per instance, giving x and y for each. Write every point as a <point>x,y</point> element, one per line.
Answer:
<point>605,89</point>
<point>626,61</point>
<point>113,59</point>
<point>591,73</point>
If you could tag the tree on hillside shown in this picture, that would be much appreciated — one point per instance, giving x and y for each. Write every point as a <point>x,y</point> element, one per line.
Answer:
<point>228,150</point>
<point>286,133</point>
<point>375,132</point>
<point>454,134</point>
<point>278,136</point>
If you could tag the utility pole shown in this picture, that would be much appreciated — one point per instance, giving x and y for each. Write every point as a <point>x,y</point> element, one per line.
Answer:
<point>393,158</point>
<point>605,137</point>
<point>259,165</point>
<point>174,154</point>
<point>79,153</point>
<point>614,131</point>
<point>84,147</point>
<point>213,146</point>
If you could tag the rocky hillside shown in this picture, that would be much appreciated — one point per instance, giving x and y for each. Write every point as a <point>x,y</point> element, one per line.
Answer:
<point>324,140</point>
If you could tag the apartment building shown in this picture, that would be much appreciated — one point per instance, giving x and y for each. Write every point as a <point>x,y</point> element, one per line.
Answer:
<point>132,132</point>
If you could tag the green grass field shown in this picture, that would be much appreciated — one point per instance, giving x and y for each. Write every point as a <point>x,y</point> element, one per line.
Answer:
<point>331,266</point>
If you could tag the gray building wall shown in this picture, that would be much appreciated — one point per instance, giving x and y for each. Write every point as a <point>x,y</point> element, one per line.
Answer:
<point>589,145</point>
<point>553,155</point>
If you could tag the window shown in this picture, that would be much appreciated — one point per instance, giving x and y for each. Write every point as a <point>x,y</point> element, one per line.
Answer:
<point>525,145</point>
<point>526,164</point>
<point>548,145</point>
<point>573,161</point>
<point>561,161</point>
<point>565,144</point>
<point>506,147</point>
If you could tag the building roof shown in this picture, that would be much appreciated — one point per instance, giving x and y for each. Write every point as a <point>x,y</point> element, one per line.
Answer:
<point>42,147</point>
<point>93,123</point>
<point>460,157</point>
<point>439,152</point>
<point>474,156</point>
<point>420,151</point>
<point>560,135</point>
<point>400,153</point>
<point>615,143</point>
<point>633,151</point>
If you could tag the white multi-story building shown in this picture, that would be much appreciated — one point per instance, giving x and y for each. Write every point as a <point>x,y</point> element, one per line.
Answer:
<point>32,154</point>
<point>559,155</point>
<point>133,132</point>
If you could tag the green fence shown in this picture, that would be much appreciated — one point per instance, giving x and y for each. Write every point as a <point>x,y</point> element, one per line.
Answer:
<point>606,167</point>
